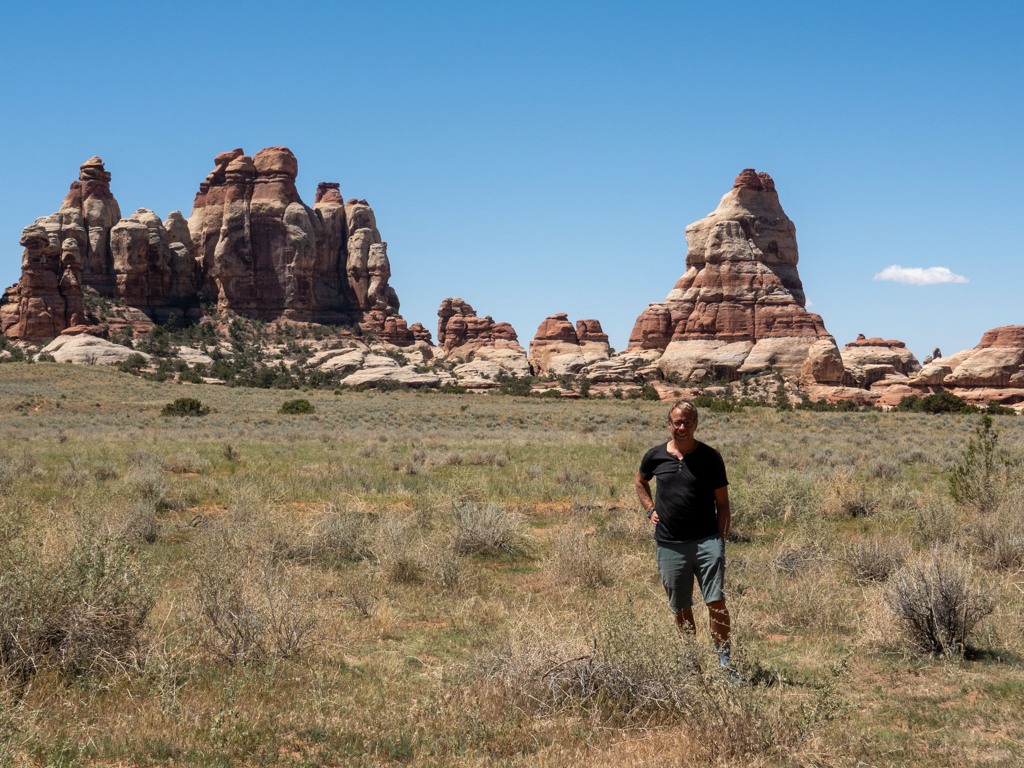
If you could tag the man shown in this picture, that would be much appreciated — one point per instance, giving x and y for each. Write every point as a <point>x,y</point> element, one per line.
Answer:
<point>691,522</point>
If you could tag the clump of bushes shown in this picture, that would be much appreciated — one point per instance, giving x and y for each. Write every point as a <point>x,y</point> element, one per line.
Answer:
<point>940,402</point>
<point>185,406</point>
<point>78,612</point>
<point>484,529</point>
<point>937,606</point>
<point>297,406</point>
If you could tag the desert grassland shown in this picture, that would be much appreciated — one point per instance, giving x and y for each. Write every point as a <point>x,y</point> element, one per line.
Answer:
<point>467,580</point>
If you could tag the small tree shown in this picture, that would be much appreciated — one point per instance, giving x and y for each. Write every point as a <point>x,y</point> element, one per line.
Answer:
<point>782,398</point>
<point>974,481</point>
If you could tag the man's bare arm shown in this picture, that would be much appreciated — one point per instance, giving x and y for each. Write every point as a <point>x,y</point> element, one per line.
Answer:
<point>643,492</point>
<point>724,513</point>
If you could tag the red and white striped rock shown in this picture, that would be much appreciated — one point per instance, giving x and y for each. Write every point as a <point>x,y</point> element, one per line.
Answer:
<point>739,307</point>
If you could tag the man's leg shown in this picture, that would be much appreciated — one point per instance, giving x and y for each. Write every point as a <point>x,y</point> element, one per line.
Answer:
<point>718,617</point>
<point>685,622</point>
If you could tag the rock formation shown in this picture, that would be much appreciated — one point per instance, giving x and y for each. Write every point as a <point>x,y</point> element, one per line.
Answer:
<point>87,214</point>
<point>739,307</point>
<point>869,360</point>
<point>993,370</point>
<point>593,341</point>
<point>462,335</point>
<point>152,267</point>
<point>555,349</point>
<point>267,254</point>
<point>250,242</point>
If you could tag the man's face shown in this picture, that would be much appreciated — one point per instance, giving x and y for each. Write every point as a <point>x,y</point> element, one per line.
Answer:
<point>681,426</point>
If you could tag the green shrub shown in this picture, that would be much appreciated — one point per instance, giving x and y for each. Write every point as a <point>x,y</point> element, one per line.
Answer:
<point>297,406</point>
<point>717,405</point>
<point>648,392</point>
<point>190,375</point>
<point>185,406</point>
<point>453,389</point>
<point>551,393</point>
<point>940,402</point>
<point>513,385</point>
<point>782,397</point>
<point>992,407</point>
<point>976,480</point>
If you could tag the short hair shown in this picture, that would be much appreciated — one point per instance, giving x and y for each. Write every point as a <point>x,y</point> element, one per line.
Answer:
<point>685,407</point>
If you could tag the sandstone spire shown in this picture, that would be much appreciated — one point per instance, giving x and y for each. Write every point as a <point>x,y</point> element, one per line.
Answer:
<point>739,307</point>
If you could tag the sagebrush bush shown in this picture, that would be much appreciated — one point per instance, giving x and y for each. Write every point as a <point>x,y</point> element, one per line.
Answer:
<point>78,611</point>
<point>937,605</point>
<point>845,496</point>
<point>343,534</point>
<point>998,535</point>
<point>936,520</point>
<point>873,560</point>
<point>186,462</point>
<point>774,496</point>
<point>486,459</point>
<point>251,606</point>
<point>636,668</point>
<point>231,452</point>
<point>577,561</point>
<point>485,528</point>
<point>396,551</point>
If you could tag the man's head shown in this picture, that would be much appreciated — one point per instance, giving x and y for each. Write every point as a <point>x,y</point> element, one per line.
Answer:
<point>682,419</point>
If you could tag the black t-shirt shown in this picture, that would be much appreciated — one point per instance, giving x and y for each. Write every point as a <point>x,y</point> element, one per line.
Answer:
<point>685,496</point>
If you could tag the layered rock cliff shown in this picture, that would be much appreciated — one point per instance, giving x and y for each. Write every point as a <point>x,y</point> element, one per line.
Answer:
<point>251,244</point>
<point>740,306</point>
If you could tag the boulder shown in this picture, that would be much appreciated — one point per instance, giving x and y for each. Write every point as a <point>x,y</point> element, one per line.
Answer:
<point>740,306</point>
<point>192,356</point>
<point>625,367</point>
<point>478,374</point>
<point>342,361</point>
<point>373,374</point>
<point>88,350</point>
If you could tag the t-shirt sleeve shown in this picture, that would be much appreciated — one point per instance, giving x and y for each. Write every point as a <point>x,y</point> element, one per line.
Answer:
<point>647,466</point>
<point>719,478</point>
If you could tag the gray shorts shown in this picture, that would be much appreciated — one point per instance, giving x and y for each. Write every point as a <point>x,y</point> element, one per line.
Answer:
<point>678,563</point>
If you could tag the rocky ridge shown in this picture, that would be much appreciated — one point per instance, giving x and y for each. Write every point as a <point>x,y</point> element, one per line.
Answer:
<point>250,243</point>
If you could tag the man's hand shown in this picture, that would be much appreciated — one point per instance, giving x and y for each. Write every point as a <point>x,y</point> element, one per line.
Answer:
<point>654,518</point>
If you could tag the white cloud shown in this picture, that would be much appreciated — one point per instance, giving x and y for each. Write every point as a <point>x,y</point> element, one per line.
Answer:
<point>918,276</point>
<point>809,302</point>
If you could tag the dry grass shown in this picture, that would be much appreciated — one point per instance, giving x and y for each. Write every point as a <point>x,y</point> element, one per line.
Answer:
<point>476,586</point>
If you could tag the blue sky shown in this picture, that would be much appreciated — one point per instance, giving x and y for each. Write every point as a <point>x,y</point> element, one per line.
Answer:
<point>536,158</point>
